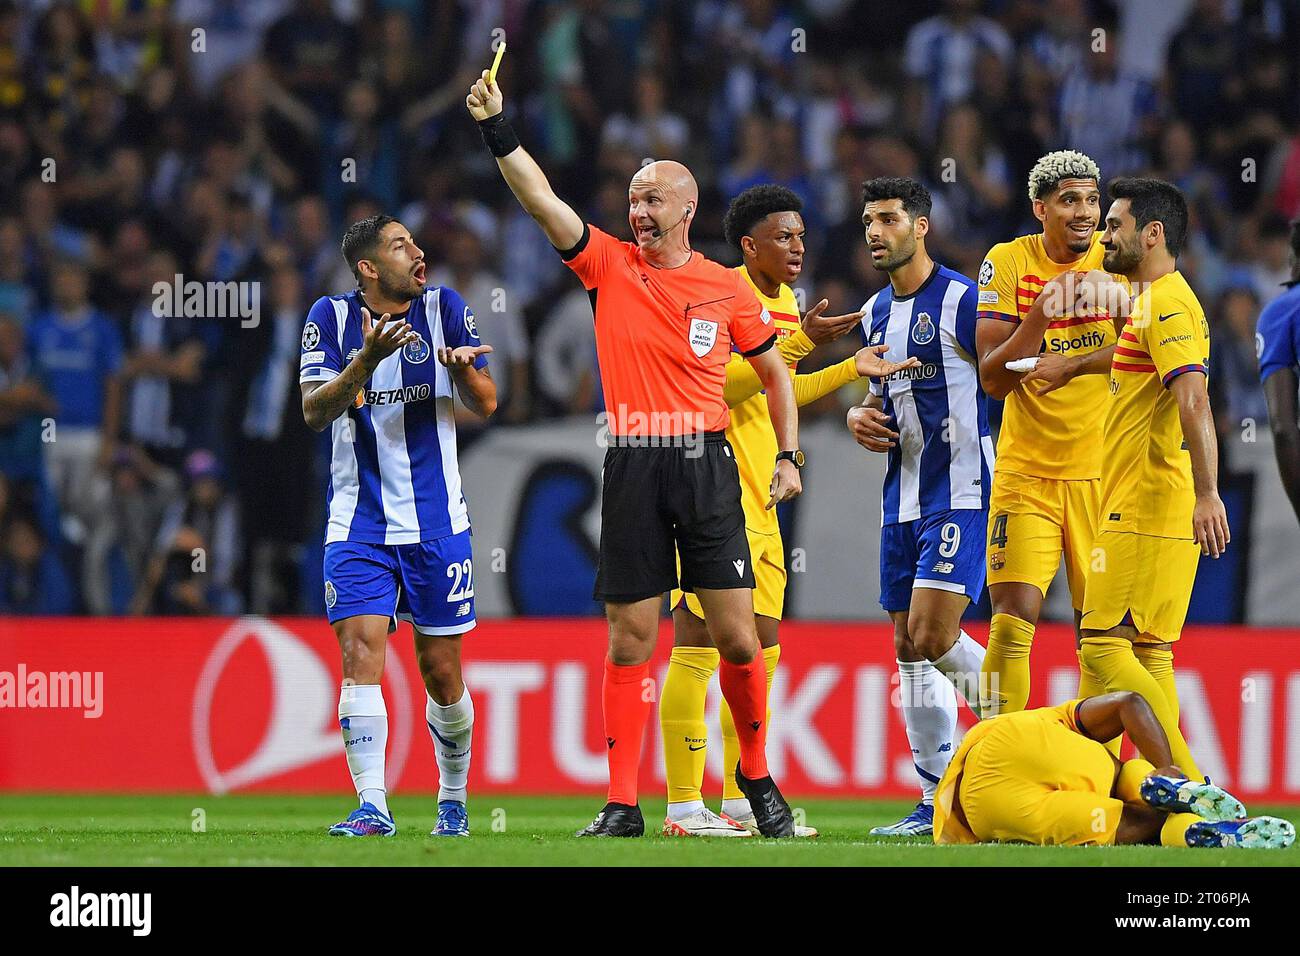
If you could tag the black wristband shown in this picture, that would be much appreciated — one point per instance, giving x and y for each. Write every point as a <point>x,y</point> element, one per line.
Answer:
<point>498,135</point>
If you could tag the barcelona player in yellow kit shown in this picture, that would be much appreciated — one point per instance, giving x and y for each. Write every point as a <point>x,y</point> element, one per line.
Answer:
<point>1046,484</point>
<point>1160,502</point>
<point>1044,777</point>
<point>764,222</point>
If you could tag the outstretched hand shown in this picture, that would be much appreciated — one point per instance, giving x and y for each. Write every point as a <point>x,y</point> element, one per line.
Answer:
<point>870,364</point>
<point>827,328</point>
<point>462,357</point>
<point>381,339</point>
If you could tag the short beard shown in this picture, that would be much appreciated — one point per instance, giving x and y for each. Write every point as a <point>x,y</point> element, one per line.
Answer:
<point>1121,261</point>
<point>889,264</point>
<point>1078,245</point>
<point>397,293</point>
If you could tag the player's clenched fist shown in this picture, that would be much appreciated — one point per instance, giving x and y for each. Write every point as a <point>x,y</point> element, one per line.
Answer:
<point>870,428</point>
<point>484,98</point>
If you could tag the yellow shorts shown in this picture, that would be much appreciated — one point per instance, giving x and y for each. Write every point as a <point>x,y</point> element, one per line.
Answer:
<point>1141,575</point>
<point>768,555</point>
<point>1034,522</point>
<point>1031,781</point>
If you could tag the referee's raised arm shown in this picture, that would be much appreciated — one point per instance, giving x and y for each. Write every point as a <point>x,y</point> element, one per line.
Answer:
<point>563,226</point>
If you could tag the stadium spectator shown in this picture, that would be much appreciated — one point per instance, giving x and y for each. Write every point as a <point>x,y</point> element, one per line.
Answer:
<point>1120,144</point>
<point>498,313</point>
<point>163,370</point>
<point>123,533</point>
<point>941,57</point>
<point>195,556</point>
<point>305,49</point>
<point>276,505</point>
<point>32,580</point>
<point>79,352</point>
<point>24,402</point>
<point>1234,369</point>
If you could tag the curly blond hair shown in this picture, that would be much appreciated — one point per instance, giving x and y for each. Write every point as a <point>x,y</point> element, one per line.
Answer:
<point>1061,164</point>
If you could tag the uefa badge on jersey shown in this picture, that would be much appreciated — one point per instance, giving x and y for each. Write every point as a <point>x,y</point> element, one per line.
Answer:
<point>310,336</point>
<point>417,350</point>
<point>704,335</point>
<point>331,596</point>
<point>986,272</point>
<point>923,330</point>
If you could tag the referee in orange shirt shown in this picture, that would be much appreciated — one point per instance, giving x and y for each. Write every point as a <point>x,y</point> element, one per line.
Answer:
<point>667,320</point>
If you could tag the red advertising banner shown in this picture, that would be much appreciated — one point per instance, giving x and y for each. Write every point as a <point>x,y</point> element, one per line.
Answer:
<point>250,704</point>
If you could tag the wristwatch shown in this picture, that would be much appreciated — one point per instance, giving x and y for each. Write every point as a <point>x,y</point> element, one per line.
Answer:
<point>795,457</point>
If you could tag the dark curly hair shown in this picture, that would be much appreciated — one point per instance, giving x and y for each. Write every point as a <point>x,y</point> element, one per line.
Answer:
<point>754,205</point>
<point>914,196</point>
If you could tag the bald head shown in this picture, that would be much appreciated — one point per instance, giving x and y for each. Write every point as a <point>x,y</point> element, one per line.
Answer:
<point>662,199</point>
<point>670,176</point>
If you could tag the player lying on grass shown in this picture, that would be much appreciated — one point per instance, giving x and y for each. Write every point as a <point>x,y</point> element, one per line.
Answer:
<point>932,424</point>
<point>1044,777</point>
<point>397,545</point>
<point>765,224</point>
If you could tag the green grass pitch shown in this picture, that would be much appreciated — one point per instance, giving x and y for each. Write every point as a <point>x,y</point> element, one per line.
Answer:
<point>80,830</point>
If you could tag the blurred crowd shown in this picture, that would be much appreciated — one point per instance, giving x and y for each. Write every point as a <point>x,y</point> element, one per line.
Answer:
<point>156,463</point>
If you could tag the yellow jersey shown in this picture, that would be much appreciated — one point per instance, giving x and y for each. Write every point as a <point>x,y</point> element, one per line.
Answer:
<point>1147,478</point>
<point>750,432</point>
<point>1057,435</point>
<point>1045,748</point>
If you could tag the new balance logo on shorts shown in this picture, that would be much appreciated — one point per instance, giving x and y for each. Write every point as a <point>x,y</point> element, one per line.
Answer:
<point>739,565</point>
<point>463,609</point>
<point>943,567</point>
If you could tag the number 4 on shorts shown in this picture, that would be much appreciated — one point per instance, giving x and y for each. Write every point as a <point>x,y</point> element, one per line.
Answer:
<point>999,536</point>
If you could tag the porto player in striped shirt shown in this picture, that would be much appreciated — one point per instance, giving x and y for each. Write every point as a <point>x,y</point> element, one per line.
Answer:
<point>398,541</point>
<point>931,421</point>
<point>667,320</point>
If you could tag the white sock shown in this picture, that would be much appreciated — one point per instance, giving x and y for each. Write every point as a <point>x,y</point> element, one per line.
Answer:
<point>737,807</point>
<point>678,811</point>
<point>961,664</point>
<point>364,722</point>
<point>930,715</point>
<point>451,728</point>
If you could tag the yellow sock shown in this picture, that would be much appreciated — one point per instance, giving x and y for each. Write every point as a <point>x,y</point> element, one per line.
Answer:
<point>1090,685</point>
<point>1159,663</point>
<point>1113,661</point>
<point>1174,831</point>
<point>681,717</point>
<point>1131,775</point>
<point>1004,679</point>
<point>730,742</point>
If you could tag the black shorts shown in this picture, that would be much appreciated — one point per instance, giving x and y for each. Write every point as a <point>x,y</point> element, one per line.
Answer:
<point>657,501</point>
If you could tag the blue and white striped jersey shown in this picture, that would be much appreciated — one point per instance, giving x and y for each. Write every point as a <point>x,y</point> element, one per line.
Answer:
<point>943,459</point>
<point>394,478</point>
